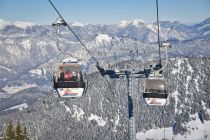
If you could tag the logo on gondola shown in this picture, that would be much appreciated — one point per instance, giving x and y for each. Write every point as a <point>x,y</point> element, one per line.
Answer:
<point>67,91</point>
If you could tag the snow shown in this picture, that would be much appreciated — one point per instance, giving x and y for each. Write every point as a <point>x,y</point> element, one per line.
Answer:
<point>42,43</point>
<point>20,107</point>
<point>3,23</point>
<point>208,111</point>
<point>175,71</point>
<point>4,95</point>
<point>196,131</point>
<point>79,24</point>
<point>70,60</point>
<point>13,50</point>
<point>190,67</point>
<point>78,113</point>
<point>152,27</point>
<point>123,23</point>
<point>187,83</point>
<point>35,72</point>
<point>204,105</point>
<point>66,107</point>
<point>179,64</point>
<point>197,84</point>
<point>156,134</point>
<point>204,26</point>
<point>98,119</point>
<point>175,96</point>
<point>103,37</point>
<point>206,33</point>
<point>135,22</point>
<point>26,44</point>
<point>8,69</point>
<point>178,69</point>
<point>22,24</point>
<point>15,89</point>
<point>117,119</point>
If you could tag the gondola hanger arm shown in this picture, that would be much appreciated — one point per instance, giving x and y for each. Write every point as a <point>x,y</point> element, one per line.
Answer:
<point>73,32</point>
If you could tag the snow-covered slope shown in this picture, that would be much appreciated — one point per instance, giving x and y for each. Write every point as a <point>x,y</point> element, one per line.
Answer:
<point>23,25</point>
<point>103,38</point>
<point>102,112</point>
<point>19,107</point>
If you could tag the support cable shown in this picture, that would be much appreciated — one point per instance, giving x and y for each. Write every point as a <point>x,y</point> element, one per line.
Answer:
<point>58,42</point>
<point>158,25</point>
<point>73,32</point>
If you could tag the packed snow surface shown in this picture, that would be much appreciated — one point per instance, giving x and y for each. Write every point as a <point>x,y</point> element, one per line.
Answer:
<point>103,38</point>
<point>196,131</point>
<point>20,107</point>
<point>98,119</point>
<point>15,89</point>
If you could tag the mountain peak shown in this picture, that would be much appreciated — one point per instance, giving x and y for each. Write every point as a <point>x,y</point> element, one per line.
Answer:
<point>3,23</point>
<point>123,23</point>
<point>23,24</point>
<point>19,24</point>
<point>206,21</point>
<point>135,22</point>
<point>78,24</point>
<point>204,24</point>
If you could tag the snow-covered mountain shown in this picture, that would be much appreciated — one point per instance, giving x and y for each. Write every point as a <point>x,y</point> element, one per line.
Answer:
<point>102,112</point>
<point>135,22</point>
<point>3,23</point>
<point>19,24</point>
<point>29,45</point>
<point>23,25</point>
<point>28,53</point>
<point>136,29</point>
<point>78,24</point>
<point>203,29</point>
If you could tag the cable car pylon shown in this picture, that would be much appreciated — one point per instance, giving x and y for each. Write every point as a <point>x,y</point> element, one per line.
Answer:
<point>129,75</point>
<point>154,89</point>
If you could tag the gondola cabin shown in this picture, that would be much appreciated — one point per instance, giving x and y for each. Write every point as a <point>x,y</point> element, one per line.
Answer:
<point>68,80</point>
<point>155,92</point>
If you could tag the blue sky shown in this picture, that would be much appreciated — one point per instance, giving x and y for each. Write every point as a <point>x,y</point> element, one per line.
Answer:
<point>104,11</point>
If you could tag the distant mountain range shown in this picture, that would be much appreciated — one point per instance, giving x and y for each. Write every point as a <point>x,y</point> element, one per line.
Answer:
<point>135,29</point>
<point>25,46</point>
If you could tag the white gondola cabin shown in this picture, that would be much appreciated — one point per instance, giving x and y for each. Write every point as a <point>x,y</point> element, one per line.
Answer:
<point>68,80</point>
<point>155,92</point>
